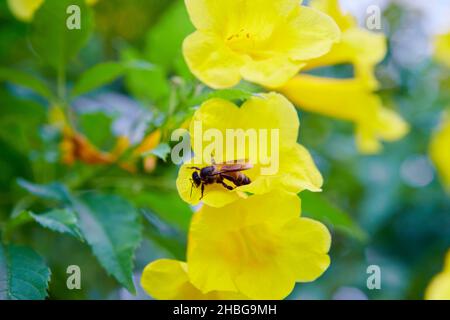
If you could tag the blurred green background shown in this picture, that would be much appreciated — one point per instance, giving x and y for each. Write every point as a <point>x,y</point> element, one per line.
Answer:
<point>388,210</point>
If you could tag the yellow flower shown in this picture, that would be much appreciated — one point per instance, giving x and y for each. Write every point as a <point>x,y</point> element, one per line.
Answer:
<point>24,9</point>
<point>439,287</point>
<point>442,48</point>
<point>262,41</point>
<point>168,280</point>
<point>440,150</point>
<point>348,99</point>
<point>258,246</point>
<point>295,172</point>
<point>358,46</point>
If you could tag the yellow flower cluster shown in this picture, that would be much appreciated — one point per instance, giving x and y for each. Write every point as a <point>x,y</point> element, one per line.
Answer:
<point>248,240</point>
<point>349,99</point>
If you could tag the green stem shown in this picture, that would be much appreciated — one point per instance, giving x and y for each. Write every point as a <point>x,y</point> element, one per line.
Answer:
<point>61,83</point>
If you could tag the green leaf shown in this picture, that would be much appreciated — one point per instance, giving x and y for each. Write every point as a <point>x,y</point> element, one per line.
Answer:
<point>13,163</point>
<point>227,94</point>
<point>25,80</point>
<point>316,206</point>
<point>59,220</point>
<point>14,222</point>
<point>162,151</point>
<point>97,129</point>
<point>165,204</point>
<point>53,191</point>
<point>23,274</point>
<point>165,235</point>
<point>50,37</point>
<point>98,76</point>
<point>111,227</point>
<point>104,73</point>
<point>165,39</point>
<point>20,122</point>
<point>145,83</point>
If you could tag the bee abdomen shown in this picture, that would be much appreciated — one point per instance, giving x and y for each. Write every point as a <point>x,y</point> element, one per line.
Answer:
<point>243,180</point>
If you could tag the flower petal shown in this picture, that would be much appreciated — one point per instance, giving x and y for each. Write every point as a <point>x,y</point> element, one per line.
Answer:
<point>297,172</point>
<point>306,244</point>
<point>234,14</point>
<point>303,242</point>
<point>386,125</point>
<point>351,100</point>
<point>211,61</point>
<point>307,34</point>
<point>272,72</point>
<point>333,9</point>
<point>168,280</point>
<point>360,47</point>
<point>346,99</point>
<point>272,111</point>
<point>302,171</point>
<point>267,282</point>
<point>262,111</point>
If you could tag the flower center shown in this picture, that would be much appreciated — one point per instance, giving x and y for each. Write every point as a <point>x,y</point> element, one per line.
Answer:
<point>252,245</point>
<point>250,43</point>
<point>241,41</point>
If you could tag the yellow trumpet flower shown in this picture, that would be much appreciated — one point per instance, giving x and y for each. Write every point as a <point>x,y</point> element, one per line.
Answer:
<point>293,168</point>
<point>262,41</point>
<point>258,246</point>
<point>351,100</point>
<point>358,46</point>
<point>439,287</point>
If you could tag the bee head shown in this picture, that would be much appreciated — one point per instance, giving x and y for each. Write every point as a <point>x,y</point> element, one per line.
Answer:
<point>196,179</point>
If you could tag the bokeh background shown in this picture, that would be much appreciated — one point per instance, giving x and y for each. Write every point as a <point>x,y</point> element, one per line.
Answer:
<point>388,209</point>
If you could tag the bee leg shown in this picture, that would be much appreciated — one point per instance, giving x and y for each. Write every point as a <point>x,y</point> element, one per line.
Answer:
<point>203,191</point>
<point>227,186</point>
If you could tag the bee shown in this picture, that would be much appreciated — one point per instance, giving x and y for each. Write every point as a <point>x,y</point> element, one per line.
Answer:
<point>221,173</point>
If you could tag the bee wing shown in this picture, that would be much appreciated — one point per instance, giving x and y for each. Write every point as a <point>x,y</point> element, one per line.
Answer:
<point>236,167</point>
